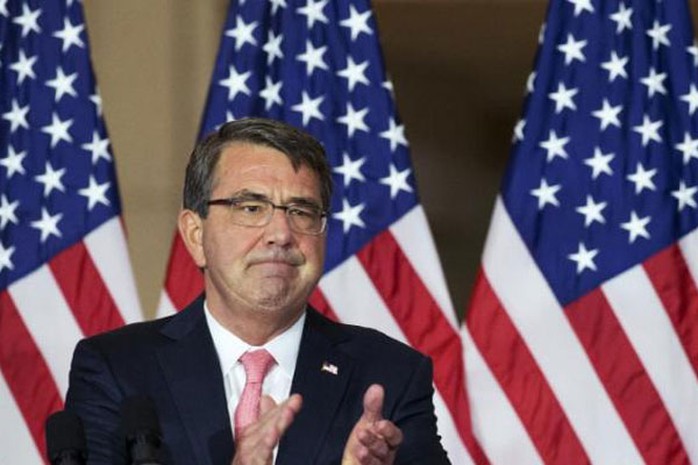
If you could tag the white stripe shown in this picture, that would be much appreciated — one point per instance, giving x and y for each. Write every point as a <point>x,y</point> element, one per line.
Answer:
<point>652,335</point>
<point>540,320</point>
<point>355,300</point>
<point>496,425</point>
<point>16,443</point>
<point>50,321</point>
<point>165,306</point>
<point>107,247</point>
<point>414,237</point>
<point>689,248</point>
<point>450,438</point>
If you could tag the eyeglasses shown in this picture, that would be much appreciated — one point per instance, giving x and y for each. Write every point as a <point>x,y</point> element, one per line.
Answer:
<point>302,218</point>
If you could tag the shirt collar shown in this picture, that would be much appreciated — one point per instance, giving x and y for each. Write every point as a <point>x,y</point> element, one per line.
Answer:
<point>284,347</point>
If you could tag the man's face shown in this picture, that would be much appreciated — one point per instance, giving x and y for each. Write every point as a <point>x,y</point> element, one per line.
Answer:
<point>269,268</point>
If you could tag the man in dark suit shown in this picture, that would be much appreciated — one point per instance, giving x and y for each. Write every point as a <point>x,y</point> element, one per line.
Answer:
<point>249,372</point>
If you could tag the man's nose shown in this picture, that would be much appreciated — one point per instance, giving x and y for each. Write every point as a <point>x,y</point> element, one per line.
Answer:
<point>278,231</point>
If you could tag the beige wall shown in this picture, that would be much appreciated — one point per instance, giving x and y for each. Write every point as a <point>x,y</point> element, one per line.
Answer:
<point>459,68</point>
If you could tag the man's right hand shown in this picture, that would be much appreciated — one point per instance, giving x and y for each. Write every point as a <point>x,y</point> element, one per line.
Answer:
<point>256,443</point>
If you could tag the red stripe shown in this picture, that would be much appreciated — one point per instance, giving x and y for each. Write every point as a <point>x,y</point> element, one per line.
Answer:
<point>184,281</point>
<point>424,326</point>
<point>84,290</point>
<point>625,380</point>
<point>672,281</point>
<point>522,380</point>
<point>320,303</point>
<point>26,372</point>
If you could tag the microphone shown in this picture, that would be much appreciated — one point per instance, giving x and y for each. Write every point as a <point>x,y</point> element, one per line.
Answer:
<point>65,439</point>
<point>142,431</point>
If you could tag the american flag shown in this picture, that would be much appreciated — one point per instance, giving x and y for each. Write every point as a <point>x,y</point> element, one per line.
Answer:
<point>64,268</point>
<point>318,65</point>
<point>581,339</point>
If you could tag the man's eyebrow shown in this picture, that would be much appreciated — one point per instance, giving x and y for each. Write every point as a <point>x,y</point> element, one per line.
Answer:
<point>248,195</point>
<point>305,201</point>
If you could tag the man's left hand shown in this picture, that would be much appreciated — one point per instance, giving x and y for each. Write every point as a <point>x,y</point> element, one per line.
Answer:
<point>374,440</point>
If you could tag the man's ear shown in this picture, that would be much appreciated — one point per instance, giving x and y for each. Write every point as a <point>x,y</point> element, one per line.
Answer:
<point>191,229</point>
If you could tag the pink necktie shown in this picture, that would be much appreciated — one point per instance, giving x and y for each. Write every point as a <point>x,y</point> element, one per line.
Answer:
<point>257,363</point>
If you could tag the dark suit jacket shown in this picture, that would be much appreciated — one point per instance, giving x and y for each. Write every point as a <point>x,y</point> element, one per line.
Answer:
<point>173,360</point>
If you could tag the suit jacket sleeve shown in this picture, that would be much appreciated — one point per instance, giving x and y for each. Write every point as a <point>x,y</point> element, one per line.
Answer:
<point>414,415</point>
<point>95,397</point>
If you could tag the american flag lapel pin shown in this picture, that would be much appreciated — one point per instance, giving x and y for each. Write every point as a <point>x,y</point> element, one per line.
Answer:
<point>330,368</point>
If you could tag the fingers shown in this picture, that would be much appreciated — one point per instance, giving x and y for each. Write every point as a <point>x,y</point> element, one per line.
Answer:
<point>256,443</point>
<point>373,440</point>
<point>373,403</point>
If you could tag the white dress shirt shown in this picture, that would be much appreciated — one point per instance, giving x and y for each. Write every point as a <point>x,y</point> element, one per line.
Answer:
<point>284,348</point>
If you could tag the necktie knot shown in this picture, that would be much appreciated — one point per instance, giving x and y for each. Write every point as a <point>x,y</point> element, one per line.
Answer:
<point>257,364</point>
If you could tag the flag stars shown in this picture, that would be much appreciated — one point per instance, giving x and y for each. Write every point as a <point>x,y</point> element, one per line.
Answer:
<point>98,147</point>
<point>572,49</point>
<point>7,212</point>
<point>581,5</point>
<point>313,58</point>
<point>273,47</point>
<point>354,120</point>
<point>395,134</point>
<point>658,33</point>
<point>685,196</point>
<point>3,8</point>
<point>6,257</point>
<point>555,146</point>
<point>313,11</point>
<point>615,67</point>
<point>48,224</point>
<point>654,82</point>
<point>622,18</point>
<point>531,82</point>
<point>688,147</point>
<point>691,98</point>
<point>649,130</point>
<point>608,115</point>
<point>351,169</point>
<point>357,22</point>
<point>51,179</point>
<point>309,108</point>
<point>397,181</point>
<point>63,84</point>
<point>546,194</point>
<point>519,130</point>
<point>563,97</point>
<point>350,215</point>
<point>242,33</point>
<point>584,258</point>
<point>636,227</point>
<point>28,20</point>
<point>236,83</point>
<point>70,35</point>
<point>17,116</point>
<point>24,67</point>
<point>13,162</point>
<point>642,179</point>
<point>95,193</point>
<point>97,100</point>
<point>693,50</point>
<point>592,211</point>
<point>354,73</point>
<point>58,130</point>
<point>600,163</point>
<point>276,4</point>
<point>271,93</point>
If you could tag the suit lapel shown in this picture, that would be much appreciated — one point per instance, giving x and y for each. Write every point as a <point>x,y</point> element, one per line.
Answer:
<point>321,377</point>
<point>193,374</point>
